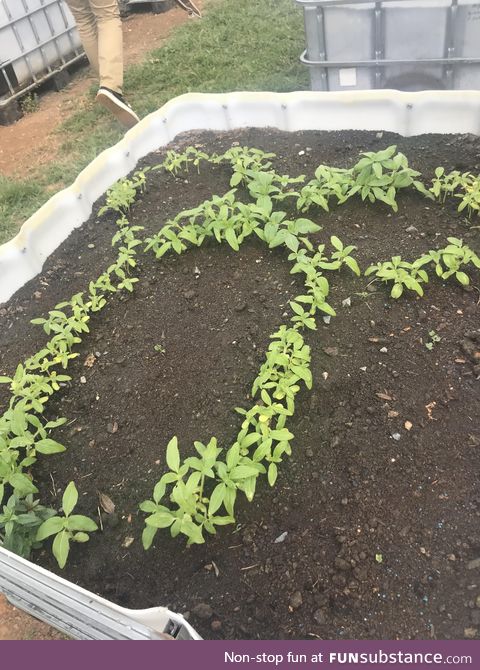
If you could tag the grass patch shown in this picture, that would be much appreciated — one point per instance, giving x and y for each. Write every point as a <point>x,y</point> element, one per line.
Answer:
<point>18,198</point>
<point>250,45</point>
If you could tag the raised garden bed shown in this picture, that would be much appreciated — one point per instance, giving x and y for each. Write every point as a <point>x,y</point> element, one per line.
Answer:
<point>369,531</point>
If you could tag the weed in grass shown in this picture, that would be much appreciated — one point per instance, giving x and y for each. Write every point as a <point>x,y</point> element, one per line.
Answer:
<point>30,103</point>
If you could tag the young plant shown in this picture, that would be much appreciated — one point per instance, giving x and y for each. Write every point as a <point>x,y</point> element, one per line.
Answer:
<point>342,255</point>
<point>279,231</point>
<point>445,184</point>
<point>193,510</point>
<point>433,339</point>
<point>379,175</point>
<point>123,193</point>
<point>450,260</point>
<point>329,182</point>
<point>19,523</point>
<point>465,186</point>
<point>175,161</point>
<point>67,528</point>
<point>401,273</point>
<point>245,161</point>
<point>263,186</point>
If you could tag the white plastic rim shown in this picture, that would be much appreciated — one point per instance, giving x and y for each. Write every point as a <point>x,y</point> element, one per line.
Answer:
<point>22,258</point>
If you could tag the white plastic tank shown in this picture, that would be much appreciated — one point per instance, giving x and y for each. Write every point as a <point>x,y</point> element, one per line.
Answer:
<point>404,44</point>
<point>37,37</point>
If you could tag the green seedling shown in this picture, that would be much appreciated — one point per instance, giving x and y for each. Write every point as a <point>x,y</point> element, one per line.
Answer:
<point>465,186</point>
<point>279,231</point>
<point>244,162</point>
<point>263,186</point>
<point>67,528</point>
<point>194,511</point>
<point>342,255</point>
<point>329,182</point>
<point>379,175</point>
<point>404,275</point>
<point>433,339</point>
<point>449,261</point>
<point>23,432</point>
<point>175,161</point>
<point>19,523</point>
<point>123,193</point>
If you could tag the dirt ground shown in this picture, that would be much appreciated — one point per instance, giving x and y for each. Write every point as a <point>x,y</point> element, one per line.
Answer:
<point>371,531</point>
<point>32,141</point>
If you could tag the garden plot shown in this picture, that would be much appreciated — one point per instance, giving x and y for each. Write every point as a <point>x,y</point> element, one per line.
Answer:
<point>344,501</point>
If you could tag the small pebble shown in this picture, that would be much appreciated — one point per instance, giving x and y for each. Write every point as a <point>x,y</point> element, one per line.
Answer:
<point>202,611</point>
<point>296,600</point>
<point>319,617</point>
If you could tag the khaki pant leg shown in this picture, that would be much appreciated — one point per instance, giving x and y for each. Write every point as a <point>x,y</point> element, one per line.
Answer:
<point>87,28</point>
<point>110,43</point>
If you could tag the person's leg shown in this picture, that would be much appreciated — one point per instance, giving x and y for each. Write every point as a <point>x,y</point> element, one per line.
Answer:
<point>87,28</point>
<point>110,43</point>
<point>100,30</point>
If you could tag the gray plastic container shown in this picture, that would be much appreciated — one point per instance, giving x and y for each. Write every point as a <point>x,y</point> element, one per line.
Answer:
<point>38,38</point>
<point>403,44</point>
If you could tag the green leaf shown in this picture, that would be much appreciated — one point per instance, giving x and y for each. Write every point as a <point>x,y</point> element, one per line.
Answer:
<point>336,243</point>
<point>48,446</point>
<point>462,278</point>
<point>304,373</point>
<point>236,179</point>
<point>80,537</point>
<point>158,491</point>
<point>353,265</point>
<point>49,527</point>
<point>328,309</point>
<point>250,439</point>
<point>81,522</point>
<point>231,238</point>
<point>22,484</point>
<point>148,506</point>
<point>148,534</point>
<point>291,242</point>
<point>192,531</point>
<point>216,499</point>
<point>272,473</point>
<point>281,435</point>
<point>160,520</point>
<point>61,548</point>
<point>230,497</point>
<point>173,455</point>
<point>70,498</point>
<point>298,309</point>
<point>222,520</point>
<point>233,455</point>
<point>243,472</point>
<point>397,291</point>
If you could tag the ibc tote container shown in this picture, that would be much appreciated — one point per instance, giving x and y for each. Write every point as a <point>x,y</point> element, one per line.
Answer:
<point>404,44</point>
<point>38,38</point>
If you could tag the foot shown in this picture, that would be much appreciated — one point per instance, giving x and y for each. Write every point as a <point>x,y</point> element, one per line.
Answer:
<point>115,103</point>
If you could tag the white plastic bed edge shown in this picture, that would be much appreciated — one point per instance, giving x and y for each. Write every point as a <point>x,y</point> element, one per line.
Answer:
<point>408,114</point>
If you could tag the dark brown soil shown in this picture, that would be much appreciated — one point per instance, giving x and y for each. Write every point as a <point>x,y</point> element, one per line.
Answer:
<point>381,532</point>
